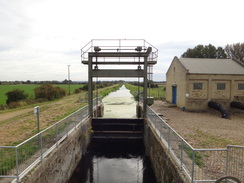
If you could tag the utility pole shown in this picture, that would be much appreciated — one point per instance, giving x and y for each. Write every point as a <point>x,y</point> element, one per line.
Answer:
<point>69,78</point>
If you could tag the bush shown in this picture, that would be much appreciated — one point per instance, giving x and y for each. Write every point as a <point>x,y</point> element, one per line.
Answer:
<point>78,90</point>
<point>15,95</point>
<point>47,91</point>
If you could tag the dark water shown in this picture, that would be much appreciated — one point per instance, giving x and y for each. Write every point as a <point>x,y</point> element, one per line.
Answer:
<point>114,162</point>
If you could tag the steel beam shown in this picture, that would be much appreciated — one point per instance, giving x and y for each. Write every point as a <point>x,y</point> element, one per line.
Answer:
<point>120,63</point>
<point>117,73</point>
<point>145,88</point>
<point>119,54</point>
<point>90,91</point>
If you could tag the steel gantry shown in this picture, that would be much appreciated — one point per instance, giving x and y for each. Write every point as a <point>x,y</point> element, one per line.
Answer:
<point>120,56</point>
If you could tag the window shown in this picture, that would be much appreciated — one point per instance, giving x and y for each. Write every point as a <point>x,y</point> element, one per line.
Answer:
<point>220,86</point>
<point>197,86</point>
<point>241,86</point>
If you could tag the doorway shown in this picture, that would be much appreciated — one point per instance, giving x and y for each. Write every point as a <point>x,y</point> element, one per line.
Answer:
<point>174,94</point>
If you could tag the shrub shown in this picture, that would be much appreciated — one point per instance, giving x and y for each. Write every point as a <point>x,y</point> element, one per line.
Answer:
<point>49,92</point>
<point>15,95</point>
<point>78,90</point>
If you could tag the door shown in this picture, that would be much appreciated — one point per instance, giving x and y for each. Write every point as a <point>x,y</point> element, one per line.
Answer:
<point>174,94</point>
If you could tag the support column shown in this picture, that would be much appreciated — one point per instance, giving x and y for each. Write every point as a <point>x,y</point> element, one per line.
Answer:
<point>145,88</point>
<point>90,91</point>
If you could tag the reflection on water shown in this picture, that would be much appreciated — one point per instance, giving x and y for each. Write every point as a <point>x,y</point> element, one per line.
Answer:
<point>119,104</point>
<point>114,162</point>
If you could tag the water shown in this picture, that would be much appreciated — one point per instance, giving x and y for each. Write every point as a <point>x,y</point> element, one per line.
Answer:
<point>114,162</point>
<point>120,104</point>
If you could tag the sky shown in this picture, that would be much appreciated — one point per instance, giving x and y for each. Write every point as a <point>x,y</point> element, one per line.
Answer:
<point>39,38</point>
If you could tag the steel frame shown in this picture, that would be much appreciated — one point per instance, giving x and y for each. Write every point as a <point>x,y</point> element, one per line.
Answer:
<point>140,72</point>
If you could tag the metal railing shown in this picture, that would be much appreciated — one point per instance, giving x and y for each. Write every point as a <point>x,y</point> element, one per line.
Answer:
<point>118,45</point>
<point>201,165</point>
<point>16,161</point>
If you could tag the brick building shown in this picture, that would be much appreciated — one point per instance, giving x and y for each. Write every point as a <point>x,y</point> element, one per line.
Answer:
<point>193,82</point>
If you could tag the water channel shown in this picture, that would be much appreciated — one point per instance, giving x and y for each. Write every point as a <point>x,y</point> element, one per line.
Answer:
<point>120,104</point>
<point>115,161</point>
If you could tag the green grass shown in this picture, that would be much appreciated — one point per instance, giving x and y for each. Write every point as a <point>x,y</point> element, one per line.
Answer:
<point>157,93</point>
<point>198,157</point>
<point>206,140</point>
<point>8,161</point>
<point>7,156</point>
<point>29,89</point>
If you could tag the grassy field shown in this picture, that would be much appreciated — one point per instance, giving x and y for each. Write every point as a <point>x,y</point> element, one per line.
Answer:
<point>157,93</point>
<point>17,125</point>
<point>29,89</point>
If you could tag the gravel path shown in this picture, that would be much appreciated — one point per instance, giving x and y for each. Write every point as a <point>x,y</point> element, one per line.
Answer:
<point>204,129</point>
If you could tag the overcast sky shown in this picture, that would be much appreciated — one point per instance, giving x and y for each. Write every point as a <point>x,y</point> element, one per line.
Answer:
<point>39,38</point>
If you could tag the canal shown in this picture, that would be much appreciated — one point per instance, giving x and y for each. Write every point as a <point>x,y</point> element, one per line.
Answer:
<point>115,161</point>
<point>120,104</point>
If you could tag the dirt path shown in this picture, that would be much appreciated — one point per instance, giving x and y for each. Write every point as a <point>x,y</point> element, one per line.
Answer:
<point>204,129</point>
<point>19,125</point>
<point>11,114</point>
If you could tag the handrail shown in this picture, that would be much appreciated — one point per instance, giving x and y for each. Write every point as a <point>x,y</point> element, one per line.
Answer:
<point>39,145</point>
<point>223,161</point>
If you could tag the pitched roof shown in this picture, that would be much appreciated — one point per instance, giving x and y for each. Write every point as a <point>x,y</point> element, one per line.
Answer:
<point>212,66</point>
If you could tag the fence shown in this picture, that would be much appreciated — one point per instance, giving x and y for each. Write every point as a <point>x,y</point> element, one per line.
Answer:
<point>16,161</point>
<point>201,165</point>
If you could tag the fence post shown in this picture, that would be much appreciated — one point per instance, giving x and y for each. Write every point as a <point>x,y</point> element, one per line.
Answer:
<point>181,154</point>
<point>56,134</point>
<point>66,126</point>
<point>169,139</point>
<point>193,165</point>
<point>41,145</point>
<point>160,129</point>
<point>227,161</point>
<point>17,163</point>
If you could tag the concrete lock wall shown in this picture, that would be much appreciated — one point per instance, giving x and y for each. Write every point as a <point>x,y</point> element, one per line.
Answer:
<point>165,167</point>
<point>59,165</point>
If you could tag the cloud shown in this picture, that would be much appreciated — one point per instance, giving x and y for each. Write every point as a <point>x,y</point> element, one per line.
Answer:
<point>15,26</point>
<point>45,36</point>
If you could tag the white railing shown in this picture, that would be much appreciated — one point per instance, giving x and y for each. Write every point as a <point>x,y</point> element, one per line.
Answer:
<point>16,161</point>
<point>201,165</point>
<point>118,45</point>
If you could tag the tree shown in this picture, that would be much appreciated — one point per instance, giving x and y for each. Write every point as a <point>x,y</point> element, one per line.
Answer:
<point>207,51</point>
<point>15,95</point>
<point>220,53</point>
<point>49,92</point>
<point>235,51</point>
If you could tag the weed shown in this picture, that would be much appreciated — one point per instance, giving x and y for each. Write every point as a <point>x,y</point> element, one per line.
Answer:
<point>198,156</point>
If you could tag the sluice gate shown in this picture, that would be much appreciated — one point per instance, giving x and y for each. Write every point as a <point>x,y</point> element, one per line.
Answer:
<point>117,129</point>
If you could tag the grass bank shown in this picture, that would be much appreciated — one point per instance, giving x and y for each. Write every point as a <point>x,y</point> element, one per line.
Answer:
<point>29,89</point>
<point>156,93</point>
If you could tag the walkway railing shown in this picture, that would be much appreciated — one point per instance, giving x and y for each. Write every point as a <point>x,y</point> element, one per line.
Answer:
<point>201,165</point>
<point>15,161</point>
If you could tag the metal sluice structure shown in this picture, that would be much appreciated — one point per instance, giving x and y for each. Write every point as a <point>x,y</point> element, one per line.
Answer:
<point>135,58</point>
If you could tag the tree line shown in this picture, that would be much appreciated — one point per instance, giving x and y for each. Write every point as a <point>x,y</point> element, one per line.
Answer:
<point>46,92</point>
<point>39,82</point>
<point>232,51</point>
